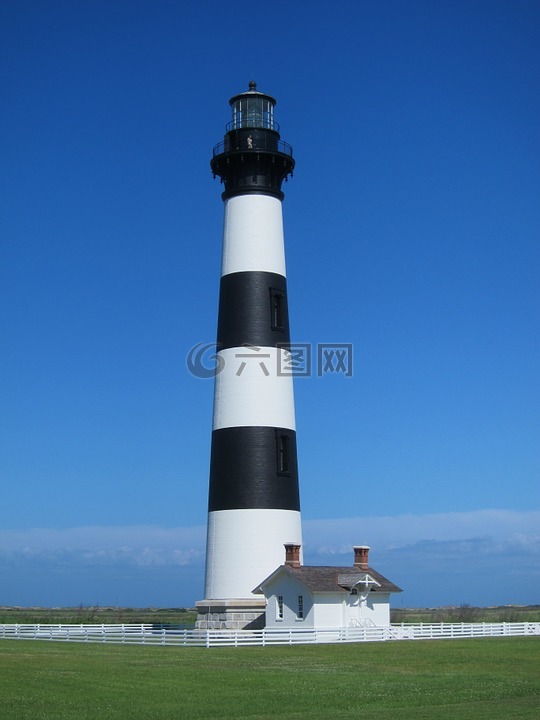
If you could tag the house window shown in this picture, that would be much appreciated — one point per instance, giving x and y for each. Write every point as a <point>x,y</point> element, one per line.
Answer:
<point>354,591</point>
<point>279,614</point>
<point>300,613</point>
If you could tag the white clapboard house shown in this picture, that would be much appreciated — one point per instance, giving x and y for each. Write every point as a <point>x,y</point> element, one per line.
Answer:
<point>299,596</point>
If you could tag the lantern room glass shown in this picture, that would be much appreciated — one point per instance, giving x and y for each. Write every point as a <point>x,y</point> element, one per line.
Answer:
<point>253,112</point>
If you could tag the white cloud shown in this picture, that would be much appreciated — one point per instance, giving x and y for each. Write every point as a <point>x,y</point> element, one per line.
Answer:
<point>479,557</point>
<point>503,528</point>
<point>136,545</point>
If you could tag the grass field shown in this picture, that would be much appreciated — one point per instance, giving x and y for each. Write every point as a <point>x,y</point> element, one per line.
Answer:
<point>106,615</point>
<point>112,615</point>
<point>467,614</point>
<point>484,679</point>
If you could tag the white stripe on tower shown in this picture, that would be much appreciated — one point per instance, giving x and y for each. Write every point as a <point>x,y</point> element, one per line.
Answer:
<point>253,500</point>
<point>253,398</point>
<point>253,235</point>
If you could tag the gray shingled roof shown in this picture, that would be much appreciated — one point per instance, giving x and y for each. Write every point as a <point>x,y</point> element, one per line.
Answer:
<point>323,578</point>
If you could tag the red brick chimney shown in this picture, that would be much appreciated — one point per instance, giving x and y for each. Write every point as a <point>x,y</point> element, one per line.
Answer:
<point>292,555</point>
<point>361,556</point>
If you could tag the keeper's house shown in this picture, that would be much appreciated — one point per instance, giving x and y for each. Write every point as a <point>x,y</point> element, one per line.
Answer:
<point>320,597</point>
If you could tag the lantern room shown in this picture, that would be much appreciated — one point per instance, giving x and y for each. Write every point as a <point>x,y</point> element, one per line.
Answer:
<point>252,158</point>
<point>252,109</point>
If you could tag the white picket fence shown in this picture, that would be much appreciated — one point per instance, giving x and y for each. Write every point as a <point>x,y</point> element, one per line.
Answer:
<point>151,635</point>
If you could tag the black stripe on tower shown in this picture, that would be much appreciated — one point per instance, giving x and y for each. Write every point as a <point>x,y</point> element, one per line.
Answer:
<point>254,468</point>
<point>253,310</point>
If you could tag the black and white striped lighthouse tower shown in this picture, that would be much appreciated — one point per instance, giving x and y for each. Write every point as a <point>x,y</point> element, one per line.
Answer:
<point>254,506</point>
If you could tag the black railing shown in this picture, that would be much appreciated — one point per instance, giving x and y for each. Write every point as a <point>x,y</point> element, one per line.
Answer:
<point>253,121</point>
<point>264,144</point>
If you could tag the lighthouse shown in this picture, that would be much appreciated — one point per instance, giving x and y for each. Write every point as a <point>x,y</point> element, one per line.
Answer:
<point>253,506</point>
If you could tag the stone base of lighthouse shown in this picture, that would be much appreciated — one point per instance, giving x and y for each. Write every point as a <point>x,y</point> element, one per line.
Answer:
<point>242,614</point>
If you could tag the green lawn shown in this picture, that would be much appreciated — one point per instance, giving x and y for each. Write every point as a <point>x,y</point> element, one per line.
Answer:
<point>117,615</point>
<point>482,679</point>
<point>106,615</point>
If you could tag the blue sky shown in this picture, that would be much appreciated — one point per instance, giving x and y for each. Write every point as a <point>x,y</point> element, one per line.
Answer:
<point>411,225</point>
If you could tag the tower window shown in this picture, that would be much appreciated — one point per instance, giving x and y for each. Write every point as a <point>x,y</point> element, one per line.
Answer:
<point>283,453</point>
<point>277,309</point>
